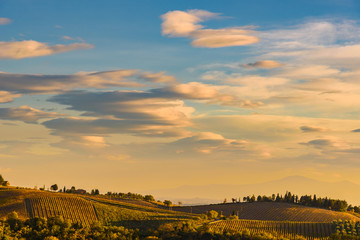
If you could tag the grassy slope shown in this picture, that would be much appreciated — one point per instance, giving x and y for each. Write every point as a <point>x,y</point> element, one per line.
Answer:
<point>273,212</point>
<point>13,199</point>
<point>140,215</point>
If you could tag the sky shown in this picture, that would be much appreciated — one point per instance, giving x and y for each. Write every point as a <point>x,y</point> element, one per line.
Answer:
<point>140,95</point>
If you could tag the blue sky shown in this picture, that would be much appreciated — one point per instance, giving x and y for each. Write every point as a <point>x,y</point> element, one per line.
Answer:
<point>257,88</point>
<point>127,34</point>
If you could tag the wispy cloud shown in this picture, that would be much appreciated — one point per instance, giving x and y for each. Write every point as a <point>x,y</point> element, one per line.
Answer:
<point>31,49</point>
<point>7,96</point>
<point>186,24</point>
<point>26,114</point>
<point>5,21</point>
<point>47,84</point>
<point>73,38</point>
<point>267,64</point>
<point>312,129</point>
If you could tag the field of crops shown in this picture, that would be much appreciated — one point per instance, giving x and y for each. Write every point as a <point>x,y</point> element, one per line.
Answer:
<point>75,209</point>
<point>135,216</point>
<point>272,211</point>
<point>12,199</point>
<point>290,230</point>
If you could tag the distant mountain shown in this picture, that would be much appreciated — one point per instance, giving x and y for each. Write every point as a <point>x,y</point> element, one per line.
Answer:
<point>299,185</point>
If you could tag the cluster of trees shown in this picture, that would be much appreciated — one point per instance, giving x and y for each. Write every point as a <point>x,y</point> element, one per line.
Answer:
<point>306,200</point>
<point>57,228</point>
<point>3,182</point>
<point>130,195</point>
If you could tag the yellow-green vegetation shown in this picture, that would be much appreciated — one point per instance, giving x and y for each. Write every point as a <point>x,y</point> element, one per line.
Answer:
<point>136,216</point>
<point>272,211</point>
<point>73,208</point>
<point>13,199</point>
<point>290,230</point>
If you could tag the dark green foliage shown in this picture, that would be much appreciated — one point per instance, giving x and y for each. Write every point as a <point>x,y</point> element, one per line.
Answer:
<point>306,200</point>
<point>54,187</point>
<point>167,203</point>
<point>149,198</point>
<point>58,228</point>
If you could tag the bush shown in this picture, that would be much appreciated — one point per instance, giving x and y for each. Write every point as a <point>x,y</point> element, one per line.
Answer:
<point>212,214</point>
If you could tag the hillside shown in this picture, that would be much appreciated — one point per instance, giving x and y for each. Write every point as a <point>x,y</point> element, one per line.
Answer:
<point>272,211</point>
<point>86,209</point>
<point>140,215</point>
<point>290,230</point>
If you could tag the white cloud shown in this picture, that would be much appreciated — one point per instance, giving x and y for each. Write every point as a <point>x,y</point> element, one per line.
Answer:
<point>182,24</point>
<point>312,34</point>
<point>30,49</point>
<point>185,24</point>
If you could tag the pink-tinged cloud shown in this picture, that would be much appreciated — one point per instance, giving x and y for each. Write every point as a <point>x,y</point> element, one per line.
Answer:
<point>47,84</point>
<point>6,97</point>
<point>30,49</point>
<point>26,114</point>
<point>267,64</point>
<point>185,24</point>
<point>5,21</point>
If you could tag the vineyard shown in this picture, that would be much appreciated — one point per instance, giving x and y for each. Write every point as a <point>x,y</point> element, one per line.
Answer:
<point>73,208</point>
<point>290,230</point>
<point>272,211</point>
<point>119,213</point>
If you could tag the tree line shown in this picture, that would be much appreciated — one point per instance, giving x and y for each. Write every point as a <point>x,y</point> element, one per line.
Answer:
<point>306,200</point>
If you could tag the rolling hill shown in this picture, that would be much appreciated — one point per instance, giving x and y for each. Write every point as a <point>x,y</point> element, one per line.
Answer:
<point>86,209</point>
<point>271,217</point>
<point>272,211</point>
<point>215,193</point>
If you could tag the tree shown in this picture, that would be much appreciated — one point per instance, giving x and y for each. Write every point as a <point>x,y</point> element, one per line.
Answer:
<point>273,197</point>
<point>54,187</point>
<point>1,180</point>
<point>167,203</point>
<point>149,198</point>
